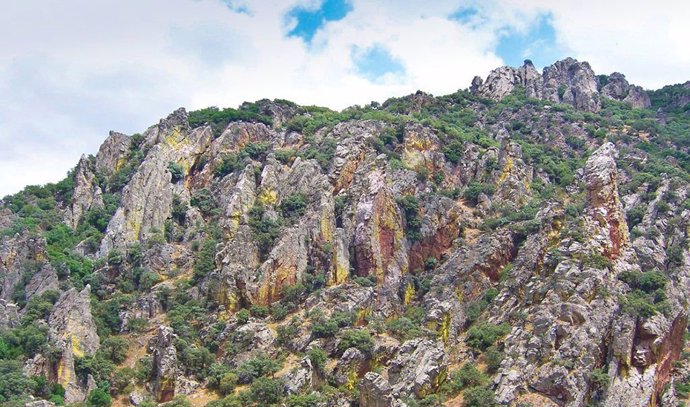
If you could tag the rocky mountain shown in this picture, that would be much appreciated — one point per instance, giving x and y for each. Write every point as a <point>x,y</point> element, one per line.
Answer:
<point>523,243</point>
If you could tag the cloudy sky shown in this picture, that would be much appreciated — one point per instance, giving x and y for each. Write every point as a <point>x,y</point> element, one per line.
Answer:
<point>71,70</point>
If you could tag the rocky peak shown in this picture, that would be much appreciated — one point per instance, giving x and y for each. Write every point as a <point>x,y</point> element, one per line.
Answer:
<point>617,87</point>
<point>567,81</point>
<point>113,152</point>
<point>87,192</point>
<point>606,218</point>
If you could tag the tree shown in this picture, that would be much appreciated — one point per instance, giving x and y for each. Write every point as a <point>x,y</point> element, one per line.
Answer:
<point>98,398</point>
<point>266,391</point>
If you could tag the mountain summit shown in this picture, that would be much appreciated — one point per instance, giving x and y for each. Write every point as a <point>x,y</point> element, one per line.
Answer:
<point>523,243</point>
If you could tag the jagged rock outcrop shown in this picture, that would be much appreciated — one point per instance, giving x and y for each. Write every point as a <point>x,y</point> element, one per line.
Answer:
<point>87,193</point>
<point>147,199</point>
<point>618,88</point>
<point>567,81</point>
<point>164,372</point>
<point>74,333</point>
<point>20,256</point>
<point>9,314</point>
<point>375,391</point>
<point>113,152</point>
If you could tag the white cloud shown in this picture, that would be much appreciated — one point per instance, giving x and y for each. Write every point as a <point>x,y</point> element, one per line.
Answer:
<point>71,70</point>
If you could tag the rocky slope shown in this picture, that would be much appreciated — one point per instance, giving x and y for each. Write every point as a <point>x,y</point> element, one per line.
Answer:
<point>522,243</point>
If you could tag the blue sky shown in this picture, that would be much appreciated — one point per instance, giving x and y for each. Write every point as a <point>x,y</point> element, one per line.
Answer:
<point>73,72</point>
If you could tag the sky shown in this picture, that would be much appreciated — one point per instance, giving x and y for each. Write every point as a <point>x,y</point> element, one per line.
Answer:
<point>71,70</point>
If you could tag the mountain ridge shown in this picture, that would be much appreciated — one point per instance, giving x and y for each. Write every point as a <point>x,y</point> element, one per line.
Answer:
<point>520,243</point>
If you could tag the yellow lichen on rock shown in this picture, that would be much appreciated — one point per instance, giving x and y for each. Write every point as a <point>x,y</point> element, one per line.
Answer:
<point>268,197</point>
<point>506,170</point>
<point>409,294</point>
<point>76,348</point>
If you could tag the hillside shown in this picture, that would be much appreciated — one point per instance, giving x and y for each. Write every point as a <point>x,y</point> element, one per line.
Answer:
<point>520,243</point>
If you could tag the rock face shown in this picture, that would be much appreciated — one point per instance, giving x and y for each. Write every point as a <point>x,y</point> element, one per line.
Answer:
<point>164,364</point>
<point>365,256</point>
<point>567,81</point>
<point>147,199</point>
<point>618,88</point>
<point>87,193</point>
<point>113,152</point>
<point>74,332</point>
<point>20,255</point>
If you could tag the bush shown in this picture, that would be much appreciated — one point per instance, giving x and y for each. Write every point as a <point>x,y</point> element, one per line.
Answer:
<point>474,189</point>
<point>227,383</point>
<point>176,171</point>
<point>599,379</point>
<point>98,398</point>
<point>479,397</point>
<point>115,349</point>
<point>493,358</point>
<point>266,391</point>
<point>413,223</point>
<point>205,261</point>
<point>404,328</point>
<point>229,163</point>
<point>322,328</point>
<point>318,358</point>
<point>178,401</point>
<point>293,206</point>
<point>205,201</point>
<point>356,338</point>
<point>279,312</point>
<point>485,334</point>
<point>259,311</point>
<point>302,400</point>
<point>266,230</point>
<point>242,316</point>
<point>261,365</point>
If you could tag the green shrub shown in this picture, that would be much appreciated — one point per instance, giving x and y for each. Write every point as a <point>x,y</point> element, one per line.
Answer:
<point>259,311</point>
<point>303,400</point>
<point>205,201</point>
<point>369,281</point>
<point>261,365</point>
<point>474,189</point>
<point>98,398</point>
<point>485,334</point>
<point>205,261</point>
<point>227,383</point>
<point>229,163</point>
<point>318,358</point>
<point>279,311</point>
<point>404,328</point>
<point>115,349</point>
<point>266,391</point>
<point>413,222</point>
<point>479,397</point>
<point>266,230</point>
<point>176,171</point>
<point>293,206</point>
<point>493,358</point>
<point>243,316</point>
<point>323,328</point>
<point>356,338</point>
<point>599,379</point>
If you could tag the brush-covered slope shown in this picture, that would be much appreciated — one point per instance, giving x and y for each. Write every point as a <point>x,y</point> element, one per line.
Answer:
<point>523,243</point>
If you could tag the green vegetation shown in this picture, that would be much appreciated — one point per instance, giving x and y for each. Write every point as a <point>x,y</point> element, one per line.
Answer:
<point>218,119</point>
<point>293,206</point>
<point>413,222</point>
<point>485,334</point>
<point>356,338</point>
<point>266,230</point>
<point>648,296</point>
